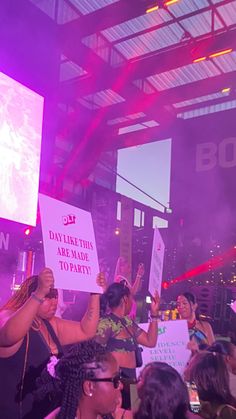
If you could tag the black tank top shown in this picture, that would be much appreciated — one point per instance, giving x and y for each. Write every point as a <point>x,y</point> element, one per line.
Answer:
<point>11,372</point>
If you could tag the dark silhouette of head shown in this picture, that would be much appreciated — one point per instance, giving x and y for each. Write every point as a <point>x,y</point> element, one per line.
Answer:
<point>209,372</point>
<point>115,294</point>
<point>228,350</point>
<point>162,393</point>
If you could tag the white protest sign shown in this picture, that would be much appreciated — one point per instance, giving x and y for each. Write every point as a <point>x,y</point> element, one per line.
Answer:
<point>69,245</point>
<point>158,251</point>
<point>171,346</point>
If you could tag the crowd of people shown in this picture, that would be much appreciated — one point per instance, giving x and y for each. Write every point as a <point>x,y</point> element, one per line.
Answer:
<point>55,368</point>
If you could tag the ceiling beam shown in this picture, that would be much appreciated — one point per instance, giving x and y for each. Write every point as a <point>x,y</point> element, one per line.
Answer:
<point>103,18</point>
<point>141,68</point>
<point>119,81</point>
<point>111,15</point>
<point>153,105</point>
<point>159,133</point>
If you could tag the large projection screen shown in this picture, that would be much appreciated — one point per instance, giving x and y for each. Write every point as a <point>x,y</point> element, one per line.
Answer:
<point>21,116</point>
<point>147,166</point>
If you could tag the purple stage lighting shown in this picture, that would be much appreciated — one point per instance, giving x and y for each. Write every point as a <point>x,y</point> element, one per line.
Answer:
<point>21,115</point>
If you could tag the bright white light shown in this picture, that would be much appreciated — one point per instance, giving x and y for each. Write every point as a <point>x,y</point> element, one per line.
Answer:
<point>147,166</point>
<point>21,114</point>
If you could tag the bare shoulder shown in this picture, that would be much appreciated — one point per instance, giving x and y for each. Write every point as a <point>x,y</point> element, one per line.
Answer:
<point>60,325</point>
<point>208,327</point>
<point>204,325</point>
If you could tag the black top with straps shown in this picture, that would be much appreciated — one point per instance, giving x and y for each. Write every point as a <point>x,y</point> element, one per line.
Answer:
<point>11,373</point>
<point>109,329</point>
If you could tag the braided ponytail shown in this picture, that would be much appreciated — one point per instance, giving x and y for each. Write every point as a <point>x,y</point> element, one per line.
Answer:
<point>20,296</point>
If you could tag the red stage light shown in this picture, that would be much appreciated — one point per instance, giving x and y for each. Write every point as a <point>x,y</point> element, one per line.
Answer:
<point>27,231</point>
<point>214,263</point>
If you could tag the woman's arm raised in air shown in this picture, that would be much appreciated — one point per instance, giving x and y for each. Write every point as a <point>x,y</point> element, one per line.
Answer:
<point>136,285</point>
<point>70,332</point>
<point>149,338</point>
<point>14,325</point>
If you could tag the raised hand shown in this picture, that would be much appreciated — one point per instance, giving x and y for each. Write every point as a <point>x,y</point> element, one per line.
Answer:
<point>155,304</point>
<point>45,282</point>
<point>193,345</point>
<point>101,281</point>
<point>140,271</point>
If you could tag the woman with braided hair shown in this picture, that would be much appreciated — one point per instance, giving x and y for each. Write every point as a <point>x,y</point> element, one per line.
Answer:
<point>85,382</point>
<point>29,334</point>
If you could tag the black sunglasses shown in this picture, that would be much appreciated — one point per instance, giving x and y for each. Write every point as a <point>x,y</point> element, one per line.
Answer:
<point>116,380</point>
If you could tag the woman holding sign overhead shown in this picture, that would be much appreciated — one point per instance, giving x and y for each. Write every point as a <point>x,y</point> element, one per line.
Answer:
<point>30,334</point>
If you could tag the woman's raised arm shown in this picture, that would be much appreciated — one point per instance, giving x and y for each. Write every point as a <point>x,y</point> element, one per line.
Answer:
<point>14,325</point>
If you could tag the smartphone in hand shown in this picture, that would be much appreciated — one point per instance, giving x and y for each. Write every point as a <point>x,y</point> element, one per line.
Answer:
<point>194,402</point>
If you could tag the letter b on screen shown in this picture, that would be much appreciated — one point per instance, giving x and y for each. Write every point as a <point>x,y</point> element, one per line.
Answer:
<point>209,155</point>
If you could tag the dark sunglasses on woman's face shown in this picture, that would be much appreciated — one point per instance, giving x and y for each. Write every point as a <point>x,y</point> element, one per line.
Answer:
<point>116,380</point>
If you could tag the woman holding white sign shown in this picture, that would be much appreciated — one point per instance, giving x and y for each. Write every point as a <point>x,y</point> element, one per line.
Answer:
<point>29,334</point>
<point>200,332</point>
<point>121,335</point>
